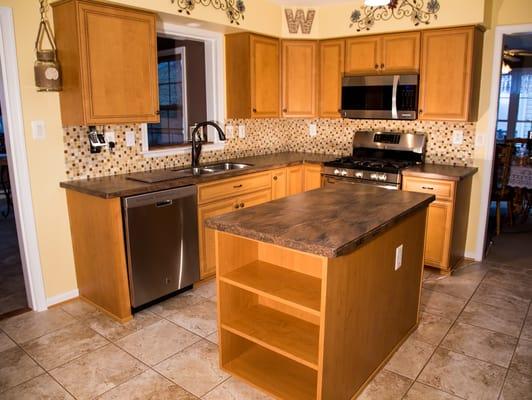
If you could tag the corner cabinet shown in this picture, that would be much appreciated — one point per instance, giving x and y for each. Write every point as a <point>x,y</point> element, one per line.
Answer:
<point>252,76</point>
<point>108,55</point>
<point>384,54</point>
<point>450,74</point>
<point>332,55</point>
<point>299,73</point>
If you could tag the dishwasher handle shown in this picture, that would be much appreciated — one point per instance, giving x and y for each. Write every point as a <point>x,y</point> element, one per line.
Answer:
<point>164,203</point>
<point>163,198</point>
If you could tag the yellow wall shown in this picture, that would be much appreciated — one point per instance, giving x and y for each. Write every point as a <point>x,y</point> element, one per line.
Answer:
<point>46,161</point>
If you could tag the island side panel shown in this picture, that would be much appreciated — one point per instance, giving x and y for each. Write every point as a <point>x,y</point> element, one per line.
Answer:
<point>370,308</point>
<point>99,252</point>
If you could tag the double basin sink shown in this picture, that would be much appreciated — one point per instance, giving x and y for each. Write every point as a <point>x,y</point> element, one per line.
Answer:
<point>210,169</point>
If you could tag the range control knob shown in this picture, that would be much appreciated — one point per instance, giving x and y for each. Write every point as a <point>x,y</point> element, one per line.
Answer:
<point>343,172</point>
<point>359,175</point>
<point>382,177</point>
<point>374,177</point>
<point>336,171</point>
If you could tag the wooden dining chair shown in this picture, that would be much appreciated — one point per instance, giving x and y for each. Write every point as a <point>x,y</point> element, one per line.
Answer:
<point>499,189</point>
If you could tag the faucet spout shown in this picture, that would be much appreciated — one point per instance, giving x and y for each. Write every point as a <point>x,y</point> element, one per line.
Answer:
<point>198,139</point>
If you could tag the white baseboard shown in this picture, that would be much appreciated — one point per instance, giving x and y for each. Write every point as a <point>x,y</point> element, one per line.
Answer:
<point>62,297</point>
<point>472,255</point>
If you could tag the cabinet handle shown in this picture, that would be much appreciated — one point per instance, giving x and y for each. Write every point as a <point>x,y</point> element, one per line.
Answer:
<point>274,178</point>
<point>427,188</point>
<point>242,205</point>
<point>237,186</point>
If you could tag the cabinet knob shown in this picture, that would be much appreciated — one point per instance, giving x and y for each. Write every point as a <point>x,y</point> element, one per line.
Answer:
<point>274,178</point>
<point>421,111</point>
<point>376,66</point>
<point>237,206</point>
<point>254,110</point>
<point>285,110</point>
<point>242,205</point>
<point>157,112</point>
<point>382,66</point>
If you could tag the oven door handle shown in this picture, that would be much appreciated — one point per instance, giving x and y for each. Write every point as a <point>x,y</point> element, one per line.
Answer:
<point>394,95</point>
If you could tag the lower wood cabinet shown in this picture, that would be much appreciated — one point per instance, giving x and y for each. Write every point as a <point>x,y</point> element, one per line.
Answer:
<point>446,221</point>
<point>312,177</point>
<point>294,180</point>
<point>278,183</point>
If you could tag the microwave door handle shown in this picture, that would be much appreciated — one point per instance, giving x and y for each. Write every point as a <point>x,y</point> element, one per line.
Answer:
<point>394,96</point>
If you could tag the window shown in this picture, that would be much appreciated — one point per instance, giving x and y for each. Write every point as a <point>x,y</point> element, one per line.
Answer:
<point>171,131</point>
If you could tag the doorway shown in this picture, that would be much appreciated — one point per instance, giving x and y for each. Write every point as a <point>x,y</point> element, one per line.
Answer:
<point>510,222</point>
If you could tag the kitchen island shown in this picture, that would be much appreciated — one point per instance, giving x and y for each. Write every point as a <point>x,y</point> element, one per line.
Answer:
<point>316,291</point>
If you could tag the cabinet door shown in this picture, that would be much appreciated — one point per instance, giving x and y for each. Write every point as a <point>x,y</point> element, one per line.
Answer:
<point>400,53</point>
<point>118,64</point>
<point>362,55</point>
<point>445,78</point>
<point>331,71</point>
<point>312,177</point>
<point>438,234</point>
<point>299,76</point>
<point>278,183</point>
<point>294,180</point>
<point>265,77</point>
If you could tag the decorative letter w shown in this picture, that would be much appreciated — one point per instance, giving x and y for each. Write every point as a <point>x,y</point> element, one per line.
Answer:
<point>299,20</point>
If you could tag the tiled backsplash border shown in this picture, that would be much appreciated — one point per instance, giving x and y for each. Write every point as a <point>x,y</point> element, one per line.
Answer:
<point>263,136</point>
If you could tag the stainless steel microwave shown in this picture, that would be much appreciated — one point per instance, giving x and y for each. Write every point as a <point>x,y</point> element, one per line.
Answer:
<point>380,96</point>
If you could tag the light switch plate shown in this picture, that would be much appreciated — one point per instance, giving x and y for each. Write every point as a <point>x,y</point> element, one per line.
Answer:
<point>229,131</point>
<point>398,257</point>
<point>110,137</point>
<point>38,130</point>
<point>312,129</point>
<point>130,139</point>
<point>241,131</point>
<point>479,140</point>
<point>458,137</point>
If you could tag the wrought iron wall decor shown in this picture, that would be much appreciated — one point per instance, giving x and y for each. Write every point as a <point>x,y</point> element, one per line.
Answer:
<point>234,9</point>
<point>415,9</point>
<point>299,20</point>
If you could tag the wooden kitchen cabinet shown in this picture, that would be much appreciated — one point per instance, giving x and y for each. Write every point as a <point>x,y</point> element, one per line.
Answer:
<point>252,76</point>
<point>332,54</point>
<point>446,221</point>
<point>108,54</point>
<point>386,54</point>
<point>312,176</point>
<point>279,183</point>
<point>450,74</point>
<point>299,74</point>
<point>294,180</point>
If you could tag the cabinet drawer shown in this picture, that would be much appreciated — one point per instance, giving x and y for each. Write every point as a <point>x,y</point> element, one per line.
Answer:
<point>443,190</point>
<point>233,187</point>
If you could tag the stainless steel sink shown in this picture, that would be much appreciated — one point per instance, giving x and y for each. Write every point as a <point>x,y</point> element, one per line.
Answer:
<point>228,166</point>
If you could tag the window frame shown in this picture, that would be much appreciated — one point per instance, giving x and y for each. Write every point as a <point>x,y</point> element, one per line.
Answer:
<point>214,82</point>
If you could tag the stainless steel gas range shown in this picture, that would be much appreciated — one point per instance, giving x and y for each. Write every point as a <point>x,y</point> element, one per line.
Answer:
<point>377,159</point>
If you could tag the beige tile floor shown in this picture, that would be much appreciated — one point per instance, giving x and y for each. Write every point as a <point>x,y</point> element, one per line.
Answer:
<point>474,341</point>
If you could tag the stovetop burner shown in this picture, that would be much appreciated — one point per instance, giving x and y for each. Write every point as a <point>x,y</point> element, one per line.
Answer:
<point>381,165</point>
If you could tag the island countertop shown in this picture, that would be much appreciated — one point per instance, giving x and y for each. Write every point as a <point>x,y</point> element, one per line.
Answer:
<point>331,221</point>
<point>121,186</point>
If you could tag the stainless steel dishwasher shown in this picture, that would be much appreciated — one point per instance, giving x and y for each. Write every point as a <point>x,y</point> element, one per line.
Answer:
<point>161,242</point>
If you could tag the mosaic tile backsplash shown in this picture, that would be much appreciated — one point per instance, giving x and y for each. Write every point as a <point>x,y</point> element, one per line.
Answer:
<point>265,136</point>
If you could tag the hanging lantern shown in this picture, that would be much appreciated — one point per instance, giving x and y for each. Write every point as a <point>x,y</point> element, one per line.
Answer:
<point>47,69</point>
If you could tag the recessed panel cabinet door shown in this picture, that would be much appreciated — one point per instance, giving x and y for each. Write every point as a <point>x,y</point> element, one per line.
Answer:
<point>265,76</point>
<point>299,76</point>
<point>400,53</point>
<point>295,179</point>
<point>362,55</point>
<point>438,235</point>
<point>119,65</point>
<point>278,183</point>
<point>331,71</point>
<point>446,74</point>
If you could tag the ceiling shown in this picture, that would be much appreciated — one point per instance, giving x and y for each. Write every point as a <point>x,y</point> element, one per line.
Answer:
<point>307,2</point>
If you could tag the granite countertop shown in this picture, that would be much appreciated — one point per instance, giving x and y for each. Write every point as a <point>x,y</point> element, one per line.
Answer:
<point>328,222</point>
<point>440,171</point>
<point>121,186</point>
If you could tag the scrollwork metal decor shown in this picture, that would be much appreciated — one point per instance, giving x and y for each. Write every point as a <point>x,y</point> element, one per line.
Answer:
<point>415,9</point>
<point>234,9</point>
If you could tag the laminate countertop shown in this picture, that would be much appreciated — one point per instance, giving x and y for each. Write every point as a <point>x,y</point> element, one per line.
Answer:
<point>330,221</point>
<point>440,171</point>
<point>121,186</point>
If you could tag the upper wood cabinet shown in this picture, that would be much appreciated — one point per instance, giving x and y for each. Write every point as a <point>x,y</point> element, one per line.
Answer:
<point>330,83</point>
<point>299,78</point>
<point>109,58</point>
<point>383,54</point>
<point>253,76</point>
<point>450,74</point>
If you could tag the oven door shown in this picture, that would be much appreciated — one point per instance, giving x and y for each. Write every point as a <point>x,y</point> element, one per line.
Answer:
<point>329,180</point>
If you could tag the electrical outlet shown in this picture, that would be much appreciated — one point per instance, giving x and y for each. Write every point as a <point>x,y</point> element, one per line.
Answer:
<point>229,131</point>
<point>458,137</point>
<point>241,131</point>
<point>130,139</point>
<point>479,140</point>
<point>110,137</point>
<point>312,129</point>
<point>38,130</point>
<point>398,257</point>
